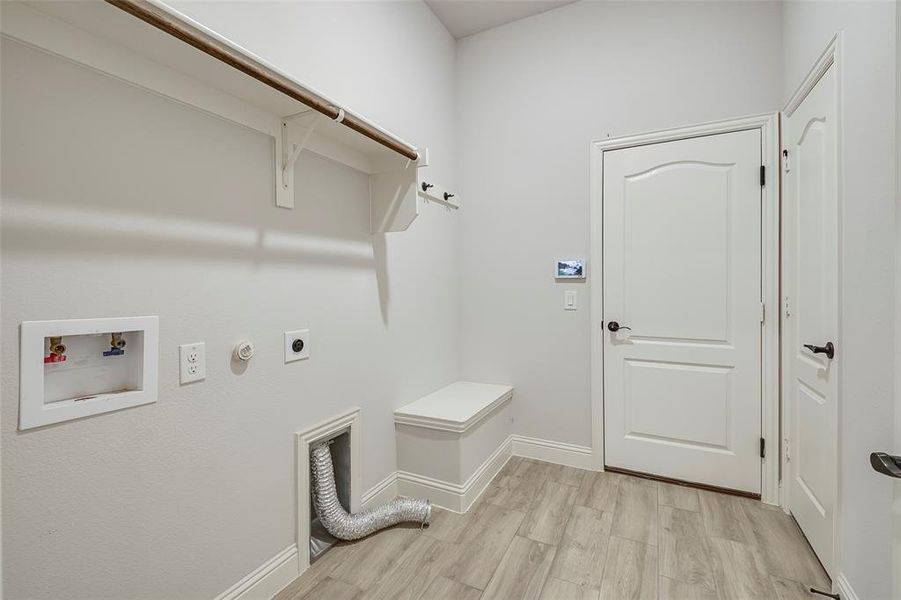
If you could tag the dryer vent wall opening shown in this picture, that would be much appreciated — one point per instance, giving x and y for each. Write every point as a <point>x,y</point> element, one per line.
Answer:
<point>340,445</point>
<point>344,526</point>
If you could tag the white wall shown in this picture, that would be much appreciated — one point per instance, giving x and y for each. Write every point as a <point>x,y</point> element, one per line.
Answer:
<point>866,348</point>
<point>118,202</point>
<point>531,97</point>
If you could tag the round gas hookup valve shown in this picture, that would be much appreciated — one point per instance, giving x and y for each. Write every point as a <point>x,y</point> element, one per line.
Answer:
<point>244,350</point>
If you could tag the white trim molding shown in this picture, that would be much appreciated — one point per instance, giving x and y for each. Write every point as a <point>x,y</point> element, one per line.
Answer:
<point>276,573</point>
<point>381,493</point>
<point>350,422</point>
<point>417,415</point>
<point>844,589</point>
<point>440,424</point>
<point>827,58</point>
<point>451,496</point>
<point>768,126</point>
<point>558,453</point>
<point>267,580</point>
<point>459,498</point>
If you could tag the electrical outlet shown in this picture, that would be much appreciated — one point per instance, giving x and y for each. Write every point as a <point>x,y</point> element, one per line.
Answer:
<point>192,362</point>
<point>297,345</point>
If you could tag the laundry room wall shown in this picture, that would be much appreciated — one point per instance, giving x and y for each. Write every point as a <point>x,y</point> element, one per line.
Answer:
<point>118,202</point>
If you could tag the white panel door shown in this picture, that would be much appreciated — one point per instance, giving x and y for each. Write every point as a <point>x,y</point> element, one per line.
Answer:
<point>682,269</point>
<point>810,286</point>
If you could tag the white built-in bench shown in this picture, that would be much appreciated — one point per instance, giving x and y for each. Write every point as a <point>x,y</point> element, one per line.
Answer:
<point>451,443</point>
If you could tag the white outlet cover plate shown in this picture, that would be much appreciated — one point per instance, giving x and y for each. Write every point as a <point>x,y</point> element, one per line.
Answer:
<point>290,336</point>
<point>191,362</point>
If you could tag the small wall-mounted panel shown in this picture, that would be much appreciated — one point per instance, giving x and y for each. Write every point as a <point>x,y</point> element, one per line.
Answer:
<point>77,368</point>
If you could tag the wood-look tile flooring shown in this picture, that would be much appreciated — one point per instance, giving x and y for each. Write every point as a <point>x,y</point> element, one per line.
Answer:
<point>547,532</point>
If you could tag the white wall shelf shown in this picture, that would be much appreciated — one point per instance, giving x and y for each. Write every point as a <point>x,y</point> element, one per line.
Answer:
<point>102,37</point>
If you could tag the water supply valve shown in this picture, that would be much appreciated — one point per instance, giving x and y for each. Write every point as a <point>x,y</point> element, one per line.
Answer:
<point>57,351</point>
<point>117,345</point>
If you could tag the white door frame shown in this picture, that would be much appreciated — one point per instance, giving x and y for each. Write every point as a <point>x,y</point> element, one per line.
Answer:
<point>768,126</point>
<point>829,57</point>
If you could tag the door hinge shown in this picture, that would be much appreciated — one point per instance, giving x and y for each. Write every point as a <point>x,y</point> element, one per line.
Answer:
<point>785,165</point>
<point>762,312</point>
<point>762,448</point>
<point>762,176</point>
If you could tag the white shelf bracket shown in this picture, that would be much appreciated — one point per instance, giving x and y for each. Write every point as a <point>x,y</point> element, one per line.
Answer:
<point>289,146</point>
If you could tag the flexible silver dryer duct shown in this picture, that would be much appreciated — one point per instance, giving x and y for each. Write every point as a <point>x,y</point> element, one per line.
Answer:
<point>345,526</point>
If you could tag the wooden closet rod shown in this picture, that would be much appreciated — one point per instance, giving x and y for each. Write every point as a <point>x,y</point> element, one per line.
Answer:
<point>203,41</point>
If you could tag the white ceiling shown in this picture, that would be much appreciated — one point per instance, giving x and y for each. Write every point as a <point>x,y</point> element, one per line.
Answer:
<point>466,17</point>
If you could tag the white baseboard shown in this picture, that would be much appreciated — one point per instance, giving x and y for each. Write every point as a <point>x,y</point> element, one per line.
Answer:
<point>458,498</point>
<point>283,568</point>
<point>844,588</point>
<point>450,496</point>
<point>382,492</point>
<point>268,580</point>
<point>559,453</point>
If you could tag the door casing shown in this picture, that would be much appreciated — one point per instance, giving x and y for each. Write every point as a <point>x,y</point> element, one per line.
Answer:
<point>770,384</point>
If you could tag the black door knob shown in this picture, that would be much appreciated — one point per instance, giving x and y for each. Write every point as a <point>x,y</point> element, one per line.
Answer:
<point>886,464</point>
<point>828,349</point>
<point>613,326</point>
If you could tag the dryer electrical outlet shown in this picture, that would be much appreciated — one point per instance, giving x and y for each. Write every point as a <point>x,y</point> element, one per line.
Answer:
<point>77,368</point>
<point>297,345</point>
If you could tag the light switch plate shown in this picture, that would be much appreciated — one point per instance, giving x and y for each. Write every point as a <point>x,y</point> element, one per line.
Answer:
<point>297,351</point>
<point>191,362</point>
<point>569,300</point>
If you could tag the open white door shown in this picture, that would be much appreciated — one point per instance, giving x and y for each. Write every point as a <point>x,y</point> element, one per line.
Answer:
<point>682,269</point>
<point>810,288</point>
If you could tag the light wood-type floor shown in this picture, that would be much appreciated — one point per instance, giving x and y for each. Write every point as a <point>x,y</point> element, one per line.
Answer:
<point>549,532</point>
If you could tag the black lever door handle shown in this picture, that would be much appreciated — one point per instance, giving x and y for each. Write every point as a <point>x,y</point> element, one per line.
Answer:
<point>886,464</point>
<point>613,326</point>
<point>828,349</point>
